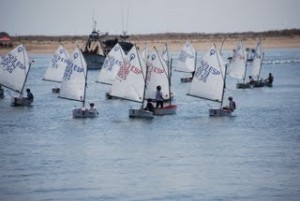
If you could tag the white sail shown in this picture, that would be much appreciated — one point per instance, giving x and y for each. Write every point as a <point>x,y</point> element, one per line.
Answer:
<point>165,54</point>
<point>187,59</point>
<point>56,68</point>
<point>129,83</point>
<point>208,81</point>
<point>157,74</point>
<point>257,61</point>
<point>238,63</point>
<point>74,79</point>
<point>14,68</point>
<point>111,65</point>
<point>144,53</point>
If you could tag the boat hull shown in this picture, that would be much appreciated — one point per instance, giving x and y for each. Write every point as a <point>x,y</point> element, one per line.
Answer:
<point>16,101</point>
<point>258,84</point>
<point>55,90</point>
<point>186,79</point>
<point>83,113</point>
<point>219,112</point>
<point>94,61</point>
<point>168,110</point>
<point>140,113</point>
<point>1,93</point>
<point>269,85</point>
<point>243,85</point>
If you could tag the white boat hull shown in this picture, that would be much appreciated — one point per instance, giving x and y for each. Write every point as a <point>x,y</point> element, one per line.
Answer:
<point>219,112</point>
<point>16,101</point>
<point>168,110</point>
<point>140,113</point>
<point>84,113</point>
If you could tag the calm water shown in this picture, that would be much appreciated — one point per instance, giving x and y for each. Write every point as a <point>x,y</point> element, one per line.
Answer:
<point>45,154</point>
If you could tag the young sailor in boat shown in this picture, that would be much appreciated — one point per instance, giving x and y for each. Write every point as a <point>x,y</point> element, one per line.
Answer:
<point>159,97</point>
<point>251,80</point>
<point>93,108</point>
<point>231,106</point>
<point>149,105</point>
<point>270,79</point>
<point>29,95</point>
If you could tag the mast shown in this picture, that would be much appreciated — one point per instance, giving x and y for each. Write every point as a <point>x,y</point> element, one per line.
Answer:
<point>85,80</point>
<point>169,63</point>
<point>145,75</point>
<point>224,76</point>
<point>246,62</point>
<point>195,61</point>
<point>261,57</point>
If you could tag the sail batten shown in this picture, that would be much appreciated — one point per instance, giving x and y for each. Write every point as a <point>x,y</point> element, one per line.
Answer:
<point>202,97</point>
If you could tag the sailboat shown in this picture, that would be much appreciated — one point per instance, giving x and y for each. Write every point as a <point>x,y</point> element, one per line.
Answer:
<point>187,61</point>
<point>158,75</point>
<point>57,66</point>
<point>238,66</point>
<point>14,69</point>
<point>93,49</point>
<point>74,82</point>
<point>130,83</point>
<point>209,81</point>
<point>257,64</point>
<point>111,65</point>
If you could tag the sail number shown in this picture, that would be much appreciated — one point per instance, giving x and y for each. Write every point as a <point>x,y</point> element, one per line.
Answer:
<point>10,62</point>
<point>71,67</point>
<point>126,68</point>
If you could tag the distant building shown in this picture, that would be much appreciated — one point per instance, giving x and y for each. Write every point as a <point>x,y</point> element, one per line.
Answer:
<point>5,40</point>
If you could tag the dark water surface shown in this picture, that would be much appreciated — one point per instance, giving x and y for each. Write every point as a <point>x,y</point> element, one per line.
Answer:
<point>45,154</point>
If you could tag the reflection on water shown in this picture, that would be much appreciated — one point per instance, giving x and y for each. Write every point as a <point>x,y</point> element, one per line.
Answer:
<point>47,155</point>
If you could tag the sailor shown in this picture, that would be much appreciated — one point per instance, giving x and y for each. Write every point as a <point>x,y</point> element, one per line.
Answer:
<point>231,106</point>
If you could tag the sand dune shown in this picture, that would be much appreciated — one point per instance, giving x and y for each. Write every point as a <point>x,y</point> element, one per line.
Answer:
<point>48,47</point>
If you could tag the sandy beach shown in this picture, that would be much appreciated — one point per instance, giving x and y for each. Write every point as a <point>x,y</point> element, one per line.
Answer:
<point>48,47</point>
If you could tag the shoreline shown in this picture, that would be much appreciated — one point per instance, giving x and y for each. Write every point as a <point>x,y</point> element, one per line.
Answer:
<point>49,47</point>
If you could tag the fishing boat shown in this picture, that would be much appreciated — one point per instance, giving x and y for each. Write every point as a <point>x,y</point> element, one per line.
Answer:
<point>57,66</point>
<point>238,66</point>
<point>99,45</point>
<point>256,66</point>
<point>209,81</point>
<point>109,44</point>
<point>129,83</point>
<point>93,49</point>
<point>74,83</point>
<point>187,61</point>
<point>158,75</point>
<point>14,69</point>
